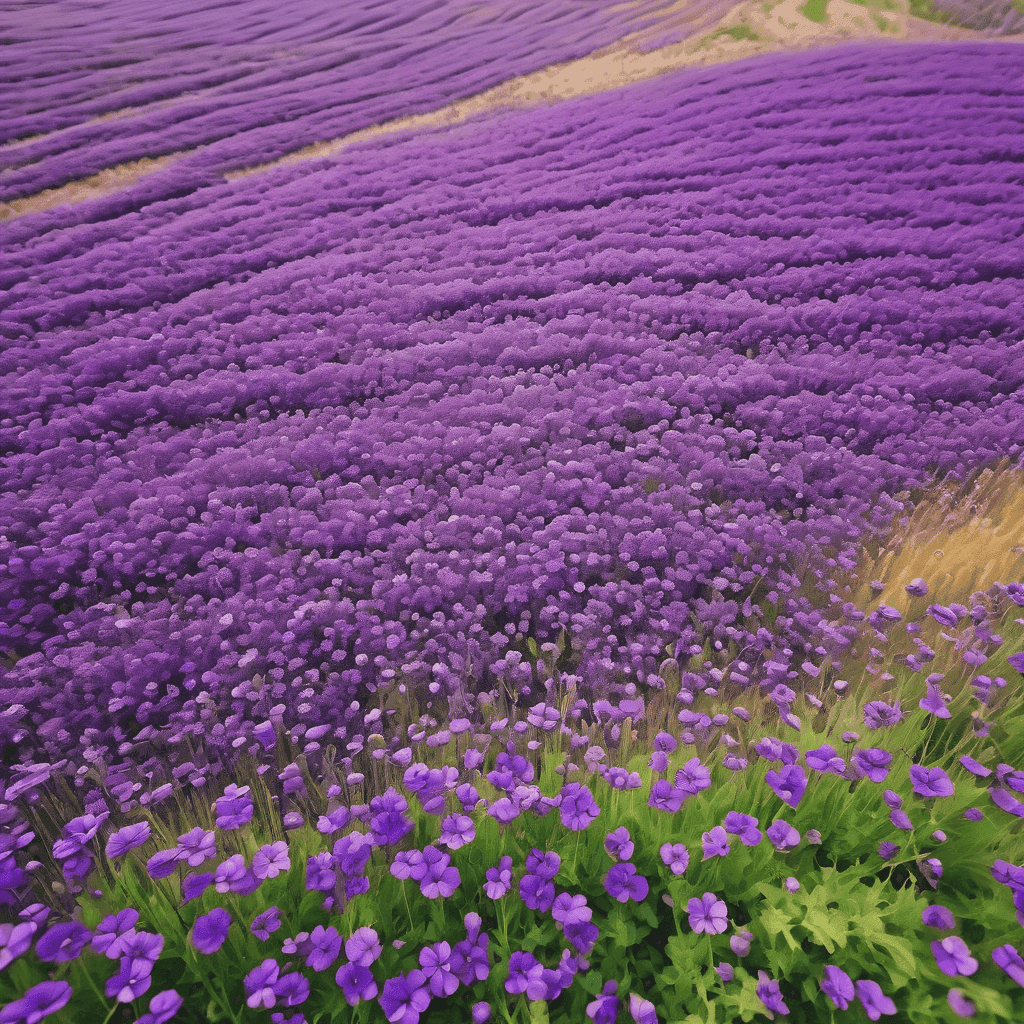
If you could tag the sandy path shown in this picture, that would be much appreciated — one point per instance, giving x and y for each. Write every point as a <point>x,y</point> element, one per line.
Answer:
<point>750,28</point>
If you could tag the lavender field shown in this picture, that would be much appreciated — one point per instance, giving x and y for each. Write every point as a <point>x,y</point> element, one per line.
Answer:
<point>491,463</point>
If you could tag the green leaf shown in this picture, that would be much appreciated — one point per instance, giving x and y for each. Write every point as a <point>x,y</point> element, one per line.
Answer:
<point>539,1012</point>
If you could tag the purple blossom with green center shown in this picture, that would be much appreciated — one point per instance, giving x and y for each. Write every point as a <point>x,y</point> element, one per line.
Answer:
<point>457,830</point>
<point>363,947</point>
<point>326,948</point>
<point>259,985</point>
<point>271,860</point>
<point>162,1007</point>
<point>234,808</point>
<point>525,974</point>
<point>953,957</point>
<point>128,838</point>
<point>578,807</point>
<point>715,843</point>
<point>356,983</point>
<point>571,909</point>
<point>404,998</point>
<point>112,932</point>
<point>782,835</point>
<point>675,856</point>
<point>63,942</point>
<point>437,964</point>
<point>265,923</point>
<point>197,846</point>
<point>836,984</point>
<point>38,1002</point>
<point>930,782</point>
<point>769,993</point>
<point>320,872</point>
<point>499,879</point>
<point>619,844</point>
<point>605,1008</point>
<point>622,883</point>
<point>708,914</point>
<point>789,784</point>
<point>210,930</point>
<point>873,999</point>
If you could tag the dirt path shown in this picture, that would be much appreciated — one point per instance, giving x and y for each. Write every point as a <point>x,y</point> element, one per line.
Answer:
<point>750,28</point>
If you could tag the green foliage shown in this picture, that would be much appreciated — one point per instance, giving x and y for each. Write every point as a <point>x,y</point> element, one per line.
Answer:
<point>815,10</point>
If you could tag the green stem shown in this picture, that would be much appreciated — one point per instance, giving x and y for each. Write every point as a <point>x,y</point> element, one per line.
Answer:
<point>407,908</point>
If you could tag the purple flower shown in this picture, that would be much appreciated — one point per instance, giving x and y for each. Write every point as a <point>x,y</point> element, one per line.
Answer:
<point>162,1007</point>
<point>234,808</point>
<point>582,936</point>
<point>16,939</point>
<point>292,989</point>
<point>916,587</point>
<point>873,763</point>
<point>605,1008</point>
<point>112,931</point>
<point>874,1001</point>
<point>930,782</point>
<point>437,963</point>
<point>408,864</point>
<point>693,777</point>
<point>959,1003</point>
<point>788,784</point>
<point>743,825</point>
<point>259,985</point>
<point>233,876</point>
<point>769,994</point>
<point>878,714</point>
<point>437,878</point>
<point>38,1002</point>
<point>356,982</point>
<point>642,1010</point>
<point>571,909</point>
<point>193,886</point>
<point>836,984</point>
<point>525,974</point>
<point>782,835</point>
<point>676,857</point>
<point>271,860</point>
<point>404,998</point>
<point>623,884</point>
<point>953,957</point>
<point>320,873</point>
<point>499,879</point>
<point>210,930</point>
<point>131,981</point>
<point>481,1013</point>
<point>708,914</point>
<point>127,838</point>
<point>665,797</point>
<point>326,947</point>
<point>716,843</point>
<point>63,942</point>
<point>265,923</point>
<point>457,830</point>
<point>363,947</point>
<point>577,808</point>
<point>619,844</point>
<point>162,864</point>
<point>470,960</point>
<point>197,846</point>
<point>1007,958</point>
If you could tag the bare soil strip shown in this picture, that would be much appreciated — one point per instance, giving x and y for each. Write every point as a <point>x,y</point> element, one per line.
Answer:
<point>748,29</point>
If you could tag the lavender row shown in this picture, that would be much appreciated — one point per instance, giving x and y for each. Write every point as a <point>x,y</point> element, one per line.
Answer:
<point>467,412</point>
<point>271,81</point>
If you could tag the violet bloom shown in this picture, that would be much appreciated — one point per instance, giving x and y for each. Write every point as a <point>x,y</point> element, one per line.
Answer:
<point>162,864</point>
<point>836,984</point>
<point>930,782</point>
<point>457,830</point>
<point>769,993</point>
<point>234,808</point>
<point>499,879</point>
<point>292,989</point>
<point>715,843</point>
<point>743,825</point>
<point>470,960</point>
<point>131,981</point>
<point>162,1007</point>
<point>265,923</point>
<point>404,998</point>
<point>408,864</point>
<point>363,947</point>
<point>582,936</point>
<point>356,983</point>
<point>16,940</point>
<point>525,974</point>
<point>259,985</point>
<point>873,763</point>
<point>571,909</point>
<point>953,957</point>
<point>193,886</point>
<point>782,835</point>
<point>578,807</point>
<point>622,883</point>
<point>708,914</point>
<point>1009,960</point>
<point>878,714</point>
<point>63,942</point>
<point>210,930</point>
<point>605,1008</point>
<point>788,784</point>
<point>619,844</point>
<point>642,1010</point>
<point>437,963</point>
<point>112,931</point>
<point>320,873</point>
<point>127,838</point>
<point>438,878</point>
<point>271,860</point>
<point>38,1002</point>
<point>197,846</point>
<point>481,1013</point>
<point>543,865</point>
<point>232,875</point>
<point>326,949</point>
<point>665,797</point>
<point>873,999</point>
